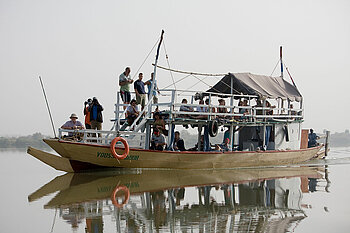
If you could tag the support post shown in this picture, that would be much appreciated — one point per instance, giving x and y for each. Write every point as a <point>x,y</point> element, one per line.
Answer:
<point>117,126</point>
<point>326,143</point>
<point>232,112</point>
<point>199,137</point>
<point>148,133</point>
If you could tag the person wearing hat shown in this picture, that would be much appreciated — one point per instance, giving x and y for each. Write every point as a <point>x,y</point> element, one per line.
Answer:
<point>72,124</point>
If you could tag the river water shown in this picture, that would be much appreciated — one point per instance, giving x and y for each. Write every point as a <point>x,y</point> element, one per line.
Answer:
<point>314,197</point>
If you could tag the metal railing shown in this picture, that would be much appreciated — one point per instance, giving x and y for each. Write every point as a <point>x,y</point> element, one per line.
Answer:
<point>170,102</point>
<point>101,137</point>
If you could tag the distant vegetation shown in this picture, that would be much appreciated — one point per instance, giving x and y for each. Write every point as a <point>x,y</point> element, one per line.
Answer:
<point>340,139</point>
<point>34,140</point>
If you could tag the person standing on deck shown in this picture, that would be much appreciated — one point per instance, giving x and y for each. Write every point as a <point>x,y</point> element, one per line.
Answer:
<point>139,87</point>
<point>312,139</point>
<point>155,89</point>
<point>87,114</point>
<point>96,118</point>
<point>124,83</point>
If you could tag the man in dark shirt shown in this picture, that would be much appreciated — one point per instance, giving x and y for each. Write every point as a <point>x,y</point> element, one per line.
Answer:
<point>96,119</point>
<point>312,139</point>
<point>139,87</point>
<point>179,143</point>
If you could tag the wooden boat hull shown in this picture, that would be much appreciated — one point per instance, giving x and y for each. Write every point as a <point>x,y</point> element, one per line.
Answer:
<point>140,158</point>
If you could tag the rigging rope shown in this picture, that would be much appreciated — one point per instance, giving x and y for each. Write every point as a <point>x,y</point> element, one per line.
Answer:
<point>290,76</point>
<point>145,58</point>
<point>186,72</point>
<point>177,81</point>
<point>275,67</point>
<point>192,85</point>
<point>167,60</point>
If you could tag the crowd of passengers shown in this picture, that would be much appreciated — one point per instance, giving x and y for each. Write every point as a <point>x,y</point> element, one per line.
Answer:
<point>93,113</point>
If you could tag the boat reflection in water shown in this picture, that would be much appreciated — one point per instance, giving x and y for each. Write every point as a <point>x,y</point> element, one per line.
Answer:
<point>258,200</point>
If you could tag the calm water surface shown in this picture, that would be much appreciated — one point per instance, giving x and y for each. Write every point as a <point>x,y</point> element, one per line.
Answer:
<point>36,198</point>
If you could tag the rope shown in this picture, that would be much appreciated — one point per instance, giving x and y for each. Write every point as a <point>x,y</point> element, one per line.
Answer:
<point>193,85</point>
<point>167,60</point>
<point>145,59</point>
<point>177,81</point>
<point>186,72</point>
<point>275,67</point>
<point>204,82</point>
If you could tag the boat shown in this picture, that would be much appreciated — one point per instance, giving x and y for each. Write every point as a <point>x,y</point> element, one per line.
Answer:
<point>258,134</point>
<point>249,197</point>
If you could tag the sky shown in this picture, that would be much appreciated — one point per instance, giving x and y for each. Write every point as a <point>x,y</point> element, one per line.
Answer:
<point>80,48</point>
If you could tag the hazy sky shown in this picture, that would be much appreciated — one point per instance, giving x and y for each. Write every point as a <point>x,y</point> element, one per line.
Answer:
<point>80,47</point>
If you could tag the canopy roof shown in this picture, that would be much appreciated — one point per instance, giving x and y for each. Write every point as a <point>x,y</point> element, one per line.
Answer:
<point>260,85</point>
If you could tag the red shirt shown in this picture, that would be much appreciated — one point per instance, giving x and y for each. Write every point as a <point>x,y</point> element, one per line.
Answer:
<point>87,116</point>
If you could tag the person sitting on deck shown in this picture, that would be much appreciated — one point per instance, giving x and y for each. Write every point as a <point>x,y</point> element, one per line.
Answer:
<point>292,112</point>
<point>157,141</point>
<point>222,109</point>
<point>184,107</point>
<point>243,110</point>
<point>201,148</point>
<point>201,108</point>
<point>159,123</point>
<point>226,145</point>
<point>312,139</point>
<point>207,103</point>
<point>132,112</point>
<point>217,148</point>
<point>179,144</point>
<point>72,124</point>
<point>268,105</point>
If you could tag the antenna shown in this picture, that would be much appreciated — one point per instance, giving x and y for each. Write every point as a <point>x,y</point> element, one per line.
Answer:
<point>47,105</point>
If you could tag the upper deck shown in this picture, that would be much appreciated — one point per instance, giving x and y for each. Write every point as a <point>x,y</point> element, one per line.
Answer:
<point>229,112</point>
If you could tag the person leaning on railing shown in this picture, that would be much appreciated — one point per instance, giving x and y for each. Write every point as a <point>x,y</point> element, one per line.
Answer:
<point>72,124</point>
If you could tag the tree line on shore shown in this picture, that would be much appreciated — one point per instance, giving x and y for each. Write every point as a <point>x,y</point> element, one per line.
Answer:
<point>34,140</point>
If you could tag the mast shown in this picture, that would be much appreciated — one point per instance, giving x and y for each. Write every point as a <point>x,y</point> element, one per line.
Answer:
<point>155,71</point>
<point>281,61</point>
<point>150,97</point>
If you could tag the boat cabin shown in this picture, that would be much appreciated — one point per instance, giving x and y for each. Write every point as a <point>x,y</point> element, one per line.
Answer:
<point>258,112</point>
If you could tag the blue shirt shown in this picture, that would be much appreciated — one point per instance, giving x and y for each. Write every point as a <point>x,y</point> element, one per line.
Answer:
<point>94,112</point>
<point>139,86</point>
<point>150,86</point>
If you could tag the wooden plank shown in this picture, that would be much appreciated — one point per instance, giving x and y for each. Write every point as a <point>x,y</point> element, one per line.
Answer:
<point>59,163</point>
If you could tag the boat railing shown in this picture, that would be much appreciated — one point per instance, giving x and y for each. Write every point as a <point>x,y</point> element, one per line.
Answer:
<point>101,137</point>
<point>170,102</point>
